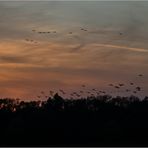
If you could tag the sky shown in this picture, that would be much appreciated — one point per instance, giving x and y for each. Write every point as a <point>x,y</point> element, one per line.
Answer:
<point>91,43</point>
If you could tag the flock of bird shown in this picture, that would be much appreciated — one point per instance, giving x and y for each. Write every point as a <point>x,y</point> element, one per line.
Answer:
<point>94,91</point>
<point>55,32</point>
<point>31,41</point>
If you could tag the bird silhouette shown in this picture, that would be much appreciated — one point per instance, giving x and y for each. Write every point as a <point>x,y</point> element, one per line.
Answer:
<point>42,92</point>
<point>138,88</point>
<point>62,91</point>
<point>120,84</point>
<point>117,87</point>
<point>83,29</point>
<point>83,85</point>
<point>31,41</point>
<point>94,89</point>
<point>127,90</point>
<point>72,94</point>
<point>140,75</point>
<point>98,93</point>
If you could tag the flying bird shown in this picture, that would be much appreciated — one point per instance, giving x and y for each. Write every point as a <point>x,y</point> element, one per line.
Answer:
<point>98,93</point>
<point>117,87</point>
<point>71,94</point>
<point>120,84</point>
<point>83,85</point>
<point>83,29</point>
<point>62,91</point>
<point>42,92</point>
<point>127,90</point>
<point>138,88</point>
<point>94,89</point>
<point>140,75</point>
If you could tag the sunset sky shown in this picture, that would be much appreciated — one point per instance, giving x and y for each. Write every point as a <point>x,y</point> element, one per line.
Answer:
<point>113,49</point>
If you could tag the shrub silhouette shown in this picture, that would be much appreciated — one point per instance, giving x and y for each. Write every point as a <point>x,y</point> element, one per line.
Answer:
<point>92,121</point>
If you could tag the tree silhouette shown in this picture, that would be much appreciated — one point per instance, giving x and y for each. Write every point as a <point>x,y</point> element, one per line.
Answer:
<point>93,121</point>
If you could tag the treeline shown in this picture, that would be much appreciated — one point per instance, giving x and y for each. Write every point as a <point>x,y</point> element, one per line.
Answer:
<point>93,121</point>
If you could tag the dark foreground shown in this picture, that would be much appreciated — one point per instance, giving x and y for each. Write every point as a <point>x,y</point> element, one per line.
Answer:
<point>96,121</point>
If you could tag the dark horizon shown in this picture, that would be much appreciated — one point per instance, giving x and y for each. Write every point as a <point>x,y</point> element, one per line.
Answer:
<point>94,121</point>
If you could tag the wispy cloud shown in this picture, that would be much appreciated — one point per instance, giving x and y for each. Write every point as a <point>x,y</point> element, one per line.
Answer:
<point>122,47</point>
